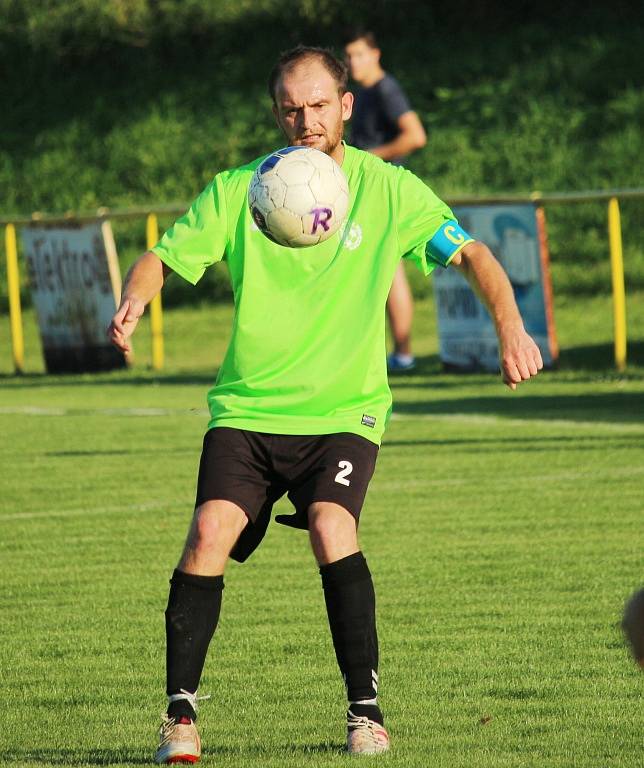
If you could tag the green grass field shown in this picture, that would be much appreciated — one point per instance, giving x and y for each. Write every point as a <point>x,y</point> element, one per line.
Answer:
<point>504,532</point>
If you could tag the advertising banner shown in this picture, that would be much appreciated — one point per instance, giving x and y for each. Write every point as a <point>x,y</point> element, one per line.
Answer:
<point>516,236</point>
<point>75,281</point>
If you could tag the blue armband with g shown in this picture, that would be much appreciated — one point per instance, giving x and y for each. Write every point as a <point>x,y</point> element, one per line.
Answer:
<point>446,243</point>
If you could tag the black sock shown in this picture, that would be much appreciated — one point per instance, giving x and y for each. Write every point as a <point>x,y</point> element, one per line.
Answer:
<point>351,608</point>
<point>372,711</point>
<point>190,622</point>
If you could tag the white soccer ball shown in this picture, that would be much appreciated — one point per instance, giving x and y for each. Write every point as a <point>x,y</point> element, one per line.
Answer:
<point>298,196</point>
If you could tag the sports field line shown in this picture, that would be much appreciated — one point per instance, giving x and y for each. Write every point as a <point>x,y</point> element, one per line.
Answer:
<point>469,418</point>
<point>34,410</point>
<point>94,511</point>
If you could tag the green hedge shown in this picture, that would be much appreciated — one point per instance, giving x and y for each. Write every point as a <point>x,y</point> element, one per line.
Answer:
<point>135,102</point>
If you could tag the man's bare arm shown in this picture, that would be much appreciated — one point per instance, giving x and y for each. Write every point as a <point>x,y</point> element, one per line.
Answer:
<point>142,283</point>
<point>519,355</point>
<point>411,136</point>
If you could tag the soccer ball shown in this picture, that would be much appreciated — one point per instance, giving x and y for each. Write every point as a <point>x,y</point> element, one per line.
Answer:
<point>298,196</point>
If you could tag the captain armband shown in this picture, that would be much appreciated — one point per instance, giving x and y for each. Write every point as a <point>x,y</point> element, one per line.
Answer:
<point>446,243</point>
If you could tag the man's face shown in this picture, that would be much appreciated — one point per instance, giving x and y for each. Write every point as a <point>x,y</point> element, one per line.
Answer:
<point>309,109</point>
<point>362,60</point>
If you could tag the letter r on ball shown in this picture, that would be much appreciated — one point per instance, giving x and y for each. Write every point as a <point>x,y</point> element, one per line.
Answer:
<point>321,218</point>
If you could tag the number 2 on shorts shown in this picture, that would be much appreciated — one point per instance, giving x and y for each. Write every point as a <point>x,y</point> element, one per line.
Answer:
<point>346,468</point>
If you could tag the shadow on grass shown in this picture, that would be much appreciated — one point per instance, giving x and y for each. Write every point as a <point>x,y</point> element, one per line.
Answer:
<point>125,452</point>
<point>77,757</point>
<point>602,407</point>
<point>589,362</point>
<point>528,444</point>
<point>595,359</point>
<point>143,757</point>
<point>599,356</point>
<point>129,378</point>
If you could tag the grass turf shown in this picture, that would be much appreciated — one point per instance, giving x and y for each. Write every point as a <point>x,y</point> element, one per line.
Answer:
<point>504,532</point>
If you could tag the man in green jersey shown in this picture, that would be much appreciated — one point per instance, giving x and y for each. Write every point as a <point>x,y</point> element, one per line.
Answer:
<point>301,399</point>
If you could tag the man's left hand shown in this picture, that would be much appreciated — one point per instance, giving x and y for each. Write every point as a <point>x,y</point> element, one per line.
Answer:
<point>519,355</point>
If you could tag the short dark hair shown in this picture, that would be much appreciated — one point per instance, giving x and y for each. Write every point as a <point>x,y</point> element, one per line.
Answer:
<point>289,59</point>
<point>360,33</point>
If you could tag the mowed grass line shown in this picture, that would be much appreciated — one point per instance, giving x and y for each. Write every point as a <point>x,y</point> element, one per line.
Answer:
<point>503,532</point>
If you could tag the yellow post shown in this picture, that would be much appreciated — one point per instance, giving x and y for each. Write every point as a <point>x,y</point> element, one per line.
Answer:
<point>156,313</point>
<point>15,313</point>
<point>617,272</point>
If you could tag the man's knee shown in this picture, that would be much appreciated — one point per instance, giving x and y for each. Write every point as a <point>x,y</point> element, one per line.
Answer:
<point>332,530</point>
<point>216,524</point>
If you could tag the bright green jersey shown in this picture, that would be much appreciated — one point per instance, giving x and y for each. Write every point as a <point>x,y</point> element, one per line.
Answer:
<point>307,352</point>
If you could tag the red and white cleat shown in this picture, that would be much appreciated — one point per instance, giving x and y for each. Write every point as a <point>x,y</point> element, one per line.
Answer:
<point>365,736</point>
<point>179,742</point>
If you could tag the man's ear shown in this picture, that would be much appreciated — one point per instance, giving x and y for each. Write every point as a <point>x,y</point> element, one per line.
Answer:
<point>347,105</point>
<point>276,114</point>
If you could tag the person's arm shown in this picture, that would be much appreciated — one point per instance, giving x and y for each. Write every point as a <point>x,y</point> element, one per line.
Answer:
<point>142,283</point>
<point>411,136</point>
<point>519,355</point>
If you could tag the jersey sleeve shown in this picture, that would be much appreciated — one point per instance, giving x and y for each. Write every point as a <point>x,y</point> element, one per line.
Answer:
<point>428,232</point>
<point>198,238</point>
<point>393,100</point>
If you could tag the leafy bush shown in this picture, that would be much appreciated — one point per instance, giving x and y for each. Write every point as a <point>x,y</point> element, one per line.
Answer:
<point>133,102</point>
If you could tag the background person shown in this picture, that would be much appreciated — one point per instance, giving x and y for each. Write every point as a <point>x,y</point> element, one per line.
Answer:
<point>306,394</point>
<point>384,124</point>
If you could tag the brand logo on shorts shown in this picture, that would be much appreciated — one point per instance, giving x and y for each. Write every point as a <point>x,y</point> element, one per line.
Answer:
<point>368,421</point>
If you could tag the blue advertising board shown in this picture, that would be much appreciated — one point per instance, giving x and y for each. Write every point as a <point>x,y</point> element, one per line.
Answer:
<point>466,331</point>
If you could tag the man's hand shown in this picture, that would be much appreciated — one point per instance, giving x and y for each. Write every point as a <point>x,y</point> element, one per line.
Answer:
<point>519,355</point>
<point>142,283</point>
<point>124,323</point>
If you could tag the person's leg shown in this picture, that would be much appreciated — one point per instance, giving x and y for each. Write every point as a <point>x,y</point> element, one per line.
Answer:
<point>233,492</point>
<point>400,311</point>
<point>351,609</point>
<point>191,618</point>
<point>195,599</point>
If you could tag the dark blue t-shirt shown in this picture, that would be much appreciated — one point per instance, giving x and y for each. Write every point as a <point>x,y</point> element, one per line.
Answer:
<point>375,113</point>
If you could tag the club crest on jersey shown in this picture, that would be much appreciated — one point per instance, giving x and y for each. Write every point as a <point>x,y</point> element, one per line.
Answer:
<point>351,235</point>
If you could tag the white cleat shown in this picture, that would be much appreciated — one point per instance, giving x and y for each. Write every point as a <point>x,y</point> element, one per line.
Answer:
<point>179,742</point>
<point>365,736</point>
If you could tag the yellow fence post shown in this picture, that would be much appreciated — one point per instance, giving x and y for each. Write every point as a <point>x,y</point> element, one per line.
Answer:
<point>15,313</point>
<point>156,312</point>
<point>617,272</point>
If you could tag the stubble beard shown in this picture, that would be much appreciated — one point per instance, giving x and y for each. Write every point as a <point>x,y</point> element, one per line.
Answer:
<point>328,142</point>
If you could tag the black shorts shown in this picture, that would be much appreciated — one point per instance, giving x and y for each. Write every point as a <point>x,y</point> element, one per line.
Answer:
<point>255,469</point>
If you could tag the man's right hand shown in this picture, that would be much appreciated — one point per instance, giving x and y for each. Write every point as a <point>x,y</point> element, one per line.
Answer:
<point>124,323</point>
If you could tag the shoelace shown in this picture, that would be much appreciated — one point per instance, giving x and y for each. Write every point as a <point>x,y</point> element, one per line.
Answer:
<point>191,698</point>
<point>356,721</point>
<point>168,727</point>
<point>168,724</point>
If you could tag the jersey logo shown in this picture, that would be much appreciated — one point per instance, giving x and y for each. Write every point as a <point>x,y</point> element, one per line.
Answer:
<point>351,235</point>
<point>368,421</point>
